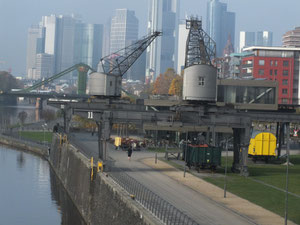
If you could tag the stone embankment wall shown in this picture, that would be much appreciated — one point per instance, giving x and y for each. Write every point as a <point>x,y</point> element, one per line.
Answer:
<point>24,145</point>
<point>99,200</point>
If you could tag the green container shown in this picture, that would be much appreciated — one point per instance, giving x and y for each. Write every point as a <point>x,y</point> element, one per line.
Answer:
<point>203,157</point>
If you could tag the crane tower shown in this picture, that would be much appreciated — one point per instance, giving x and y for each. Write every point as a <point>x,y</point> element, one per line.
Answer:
<point>200,76</point>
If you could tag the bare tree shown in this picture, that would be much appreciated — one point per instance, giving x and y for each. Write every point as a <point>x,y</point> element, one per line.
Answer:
<point>22,116</point>
<point>48,115</point>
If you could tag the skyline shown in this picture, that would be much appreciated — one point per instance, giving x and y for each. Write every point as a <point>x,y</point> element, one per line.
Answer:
<point>17,17</point>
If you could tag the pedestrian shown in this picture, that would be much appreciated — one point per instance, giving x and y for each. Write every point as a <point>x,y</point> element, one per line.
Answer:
<point>129,151</point>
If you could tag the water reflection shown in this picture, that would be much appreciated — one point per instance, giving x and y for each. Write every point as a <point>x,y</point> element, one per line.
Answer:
<point>20,160</point>
<point>67,208</point>
<point>31,193</point>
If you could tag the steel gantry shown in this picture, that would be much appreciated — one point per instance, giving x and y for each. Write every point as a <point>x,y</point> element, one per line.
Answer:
<point>211,119</point>
<point>182,117</point>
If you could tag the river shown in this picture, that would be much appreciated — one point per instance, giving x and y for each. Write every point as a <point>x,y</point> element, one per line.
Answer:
<point>31,194</point>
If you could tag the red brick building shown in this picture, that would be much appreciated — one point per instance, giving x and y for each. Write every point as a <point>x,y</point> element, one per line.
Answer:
<point>275,63</point>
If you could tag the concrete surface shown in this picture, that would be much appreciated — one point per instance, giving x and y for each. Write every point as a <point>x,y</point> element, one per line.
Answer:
<point>196,205</point>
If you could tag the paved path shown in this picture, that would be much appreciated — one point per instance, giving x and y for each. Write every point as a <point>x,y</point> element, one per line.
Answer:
<point>197,206</point>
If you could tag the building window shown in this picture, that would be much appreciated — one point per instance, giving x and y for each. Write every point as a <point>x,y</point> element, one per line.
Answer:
<point>285,73</point>
<point>271,72</point>
<point>285,100</point>
<point>261,72</point>
<point>276,63</point>
<point>284,82</point>
<point>201,81</point>
<point>275,72</point>
<point>110,83</point>
<point>261,62</point>
<point>284,91</point>
<point>271,62</point>
<point>295,90</point>
<point>285,63</point>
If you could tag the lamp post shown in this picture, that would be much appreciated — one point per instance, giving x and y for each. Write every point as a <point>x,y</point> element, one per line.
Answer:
<point>225,176</point>
<point>287,172</point>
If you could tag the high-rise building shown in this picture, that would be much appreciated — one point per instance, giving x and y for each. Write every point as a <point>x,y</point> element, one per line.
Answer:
<point>182,38</point>
<point>50,24</point>
<point>106,38</point>
<point>124,29</point>
<point>291,38</point>
<point>220,24</point>
<point>88,44</point>
<point>35,45</point>
<point>247,39</point>
<point>162,53</point>
<point>68,40</point>
<point>59,39</point>
<point>264,38</point>
<point>65,37</point>
<point>44,65</point>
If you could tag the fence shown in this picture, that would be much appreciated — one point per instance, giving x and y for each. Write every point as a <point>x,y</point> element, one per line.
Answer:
<point>159,207</point>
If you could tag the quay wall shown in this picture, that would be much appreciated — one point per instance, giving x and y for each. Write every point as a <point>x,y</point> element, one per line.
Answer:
<point>98,198</point>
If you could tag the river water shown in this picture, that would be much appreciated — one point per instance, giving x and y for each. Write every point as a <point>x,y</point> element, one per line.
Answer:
<point>31,194</point>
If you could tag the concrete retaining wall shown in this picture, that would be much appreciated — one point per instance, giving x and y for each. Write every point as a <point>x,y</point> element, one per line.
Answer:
<point>24,145</point>
<point>100,201</point>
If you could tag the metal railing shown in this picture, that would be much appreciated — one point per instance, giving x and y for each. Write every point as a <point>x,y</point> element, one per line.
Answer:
<point>160,208</point>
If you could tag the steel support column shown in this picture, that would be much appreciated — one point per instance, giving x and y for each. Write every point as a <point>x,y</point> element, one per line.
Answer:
<point>236,149</point>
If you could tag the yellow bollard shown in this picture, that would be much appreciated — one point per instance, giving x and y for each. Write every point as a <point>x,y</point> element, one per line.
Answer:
<point>100,165</point>
<point>60,139</point>
<point>92,168</point>
<point>65,138</point>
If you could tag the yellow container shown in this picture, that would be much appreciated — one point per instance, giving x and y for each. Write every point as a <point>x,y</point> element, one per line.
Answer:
<point>262,144</point>
<point>118,141</point>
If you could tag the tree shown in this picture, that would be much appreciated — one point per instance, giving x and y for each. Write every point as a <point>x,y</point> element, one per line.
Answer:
<point>48,115</point>
<point>163,82</point>
<point>8,82</point>
<point>176,86</point>
<point>22,116</point>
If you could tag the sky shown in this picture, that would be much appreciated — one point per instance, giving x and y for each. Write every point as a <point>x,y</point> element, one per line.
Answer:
<point>17,16</point>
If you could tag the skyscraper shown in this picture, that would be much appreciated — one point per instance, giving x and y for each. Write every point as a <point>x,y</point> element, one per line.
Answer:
<point>88,44</point>
<point>62,41</point>
<point>247,39</point>
<point>44,65</point>
<point>50,24</point>
<point>220,24</point>
<point>106,38</point>
<point>35,45</point>
<point>264,38</point>
<point>124,29</point>
<point>162,53</point>
<point>182,38</point>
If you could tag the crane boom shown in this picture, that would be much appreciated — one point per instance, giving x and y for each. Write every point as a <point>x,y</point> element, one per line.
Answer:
<point>56,76</point>
<point>119,62</point>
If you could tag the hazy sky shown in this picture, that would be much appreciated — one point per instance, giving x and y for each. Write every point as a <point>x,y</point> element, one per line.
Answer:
<point>16,16</point>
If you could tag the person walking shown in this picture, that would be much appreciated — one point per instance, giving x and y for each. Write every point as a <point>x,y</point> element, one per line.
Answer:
<point>129,152</point>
